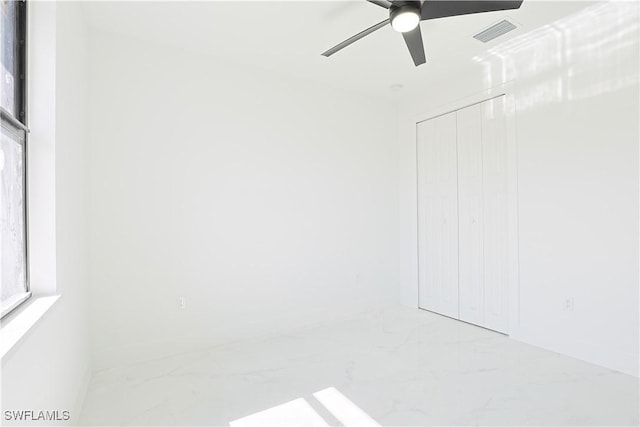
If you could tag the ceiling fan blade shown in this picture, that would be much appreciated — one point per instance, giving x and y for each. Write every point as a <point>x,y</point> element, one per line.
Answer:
<point>355,38</point>
<point>382,3</point>
<point>432,9</point>
<point>413,39</point>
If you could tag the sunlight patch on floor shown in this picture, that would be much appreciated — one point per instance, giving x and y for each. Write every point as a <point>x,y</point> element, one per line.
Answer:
<point>295,413</point>
<point>343,409</point>
<point>298,412</point>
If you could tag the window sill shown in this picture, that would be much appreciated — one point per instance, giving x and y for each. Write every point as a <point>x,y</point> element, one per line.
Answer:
<point>13,303</point>
<point>18,324</point>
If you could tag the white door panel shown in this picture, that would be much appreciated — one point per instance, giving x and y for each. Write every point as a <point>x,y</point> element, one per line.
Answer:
<point>470,208</point>
<point>438,215</point>
<point>495,174</point>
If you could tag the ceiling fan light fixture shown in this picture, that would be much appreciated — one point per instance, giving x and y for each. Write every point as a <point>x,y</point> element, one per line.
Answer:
<point>404,18</point>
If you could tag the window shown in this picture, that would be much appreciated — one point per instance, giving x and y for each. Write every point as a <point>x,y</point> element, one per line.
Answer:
<point>13,157</point>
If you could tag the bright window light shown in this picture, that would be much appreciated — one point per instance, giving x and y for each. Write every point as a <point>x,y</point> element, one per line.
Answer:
<point>295,413</point>
<point>298,412</point>
<point>343,409</point>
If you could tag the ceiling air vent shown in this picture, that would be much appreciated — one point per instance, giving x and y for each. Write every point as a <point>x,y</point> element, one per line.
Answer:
<point>495,31</point>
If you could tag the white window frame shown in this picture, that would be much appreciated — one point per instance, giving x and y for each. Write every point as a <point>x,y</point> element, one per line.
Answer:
<point>17,125</point>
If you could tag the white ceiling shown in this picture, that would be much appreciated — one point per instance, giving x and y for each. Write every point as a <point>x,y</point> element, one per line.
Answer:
<point>289,36</point>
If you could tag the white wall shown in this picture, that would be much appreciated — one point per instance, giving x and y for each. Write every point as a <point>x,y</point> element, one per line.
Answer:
<point>267,202</point>
<point>49,368</point>
<point>575,87</point>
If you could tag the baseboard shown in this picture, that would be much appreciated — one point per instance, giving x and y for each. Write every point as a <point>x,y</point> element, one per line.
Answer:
<point>622,362</point>
<point>238,331</point>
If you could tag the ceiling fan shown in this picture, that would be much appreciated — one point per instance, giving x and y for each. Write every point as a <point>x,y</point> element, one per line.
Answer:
<point>405,17</point>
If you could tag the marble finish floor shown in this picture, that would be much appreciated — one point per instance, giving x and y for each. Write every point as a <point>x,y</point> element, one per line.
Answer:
<point>394,367</point>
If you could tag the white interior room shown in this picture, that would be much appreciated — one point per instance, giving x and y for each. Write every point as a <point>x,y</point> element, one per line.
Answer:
<point>214,224</point>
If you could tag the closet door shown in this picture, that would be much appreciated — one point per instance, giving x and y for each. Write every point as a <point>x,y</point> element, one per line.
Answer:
<point>471,212</point>
<point>438,215</point>
<point>495,212</point>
